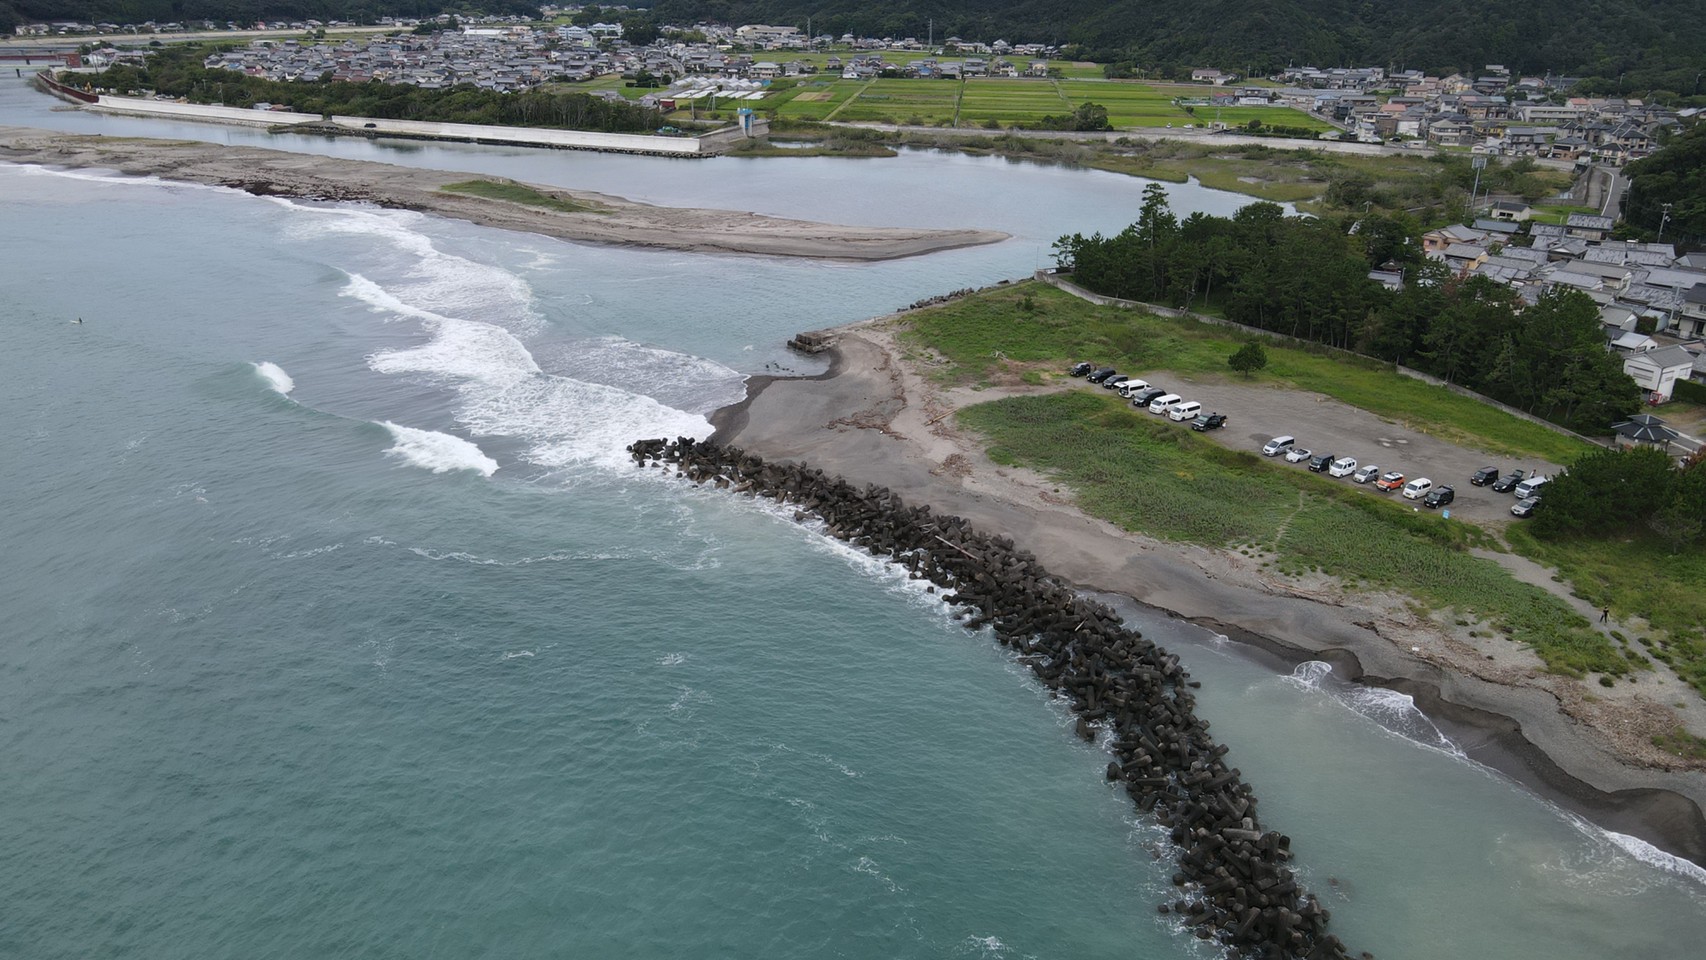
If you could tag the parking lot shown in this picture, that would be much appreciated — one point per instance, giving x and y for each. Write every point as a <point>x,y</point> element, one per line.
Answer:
<point>1256,413</point>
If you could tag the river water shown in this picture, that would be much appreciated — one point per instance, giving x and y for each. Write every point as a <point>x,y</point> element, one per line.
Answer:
<point>338,625</point>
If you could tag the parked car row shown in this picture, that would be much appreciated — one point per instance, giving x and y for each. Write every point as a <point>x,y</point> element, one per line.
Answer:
<point>1420,488</point>
<point>1157,400</point>
<point>1525,488</point>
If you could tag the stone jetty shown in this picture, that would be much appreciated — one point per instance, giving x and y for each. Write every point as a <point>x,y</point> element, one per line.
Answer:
<point>1233,882</point>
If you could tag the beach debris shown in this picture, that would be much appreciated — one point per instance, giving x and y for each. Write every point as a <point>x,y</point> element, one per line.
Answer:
<point>1127,692</point>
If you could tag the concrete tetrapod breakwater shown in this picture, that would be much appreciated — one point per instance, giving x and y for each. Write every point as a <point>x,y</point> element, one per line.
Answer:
<point>1233,883</point>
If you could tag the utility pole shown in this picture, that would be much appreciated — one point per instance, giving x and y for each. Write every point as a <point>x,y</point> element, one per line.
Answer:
<point>1664,220</point>
<point>931,43</point>
<point>1479,163</point>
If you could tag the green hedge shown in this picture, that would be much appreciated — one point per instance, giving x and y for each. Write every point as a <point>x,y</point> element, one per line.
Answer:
<point>1689,392</point>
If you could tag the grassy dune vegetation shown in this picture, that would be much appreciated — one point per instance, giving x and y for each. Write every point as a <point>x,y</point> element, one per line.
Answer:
<point>1179,485</point>
<point>975,333</point>
<point>517,193</point>
<point>1174,484</point>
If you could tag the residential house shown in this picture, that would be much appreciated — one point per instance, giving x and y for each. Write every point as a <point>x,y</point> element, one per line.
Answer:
<point>1657,371</point>
<point>1587,226</point>
<point>1514,211</point>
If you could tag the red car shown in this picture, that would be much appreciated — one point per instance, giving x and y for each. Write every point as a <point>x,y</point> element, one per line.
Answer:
<point>1390,481</point>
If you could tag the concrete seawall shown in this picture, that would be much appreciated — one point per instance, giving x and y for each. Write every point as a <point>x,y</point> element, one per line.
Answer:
<point>705,145</point>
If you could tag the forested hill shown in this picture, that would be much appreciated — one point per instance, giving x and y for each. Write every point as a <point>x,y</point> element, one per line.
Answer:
<point>14,12</point>
<point>1575,37</point>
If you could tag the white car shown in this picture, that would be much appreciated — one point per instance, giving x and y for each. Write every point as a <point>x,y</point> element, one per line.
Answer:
<point>1418,488</point>
<point>1342,467</point>
<point>1131,387</point>
<point>1297,455</point>
<point>1366,474</point>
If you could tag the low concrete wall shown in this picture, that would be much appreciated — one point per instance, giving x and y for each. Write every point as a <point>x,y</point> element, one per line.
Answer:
<point>1051,278</point>
<point>137,106</point>
<point>527,136</point>
<point>707,145</point>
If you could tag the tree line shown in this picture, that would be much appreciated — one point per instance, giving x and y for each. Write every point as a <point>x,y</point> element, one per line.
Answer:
<point>245,12</point>
<point>1652,44</point>
<point>178,72</point>
<point>1308,278</point>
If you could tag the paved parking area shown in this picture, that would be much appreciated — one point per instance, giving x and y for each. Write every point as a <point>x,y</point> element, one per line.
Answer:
<point>1256,413</point>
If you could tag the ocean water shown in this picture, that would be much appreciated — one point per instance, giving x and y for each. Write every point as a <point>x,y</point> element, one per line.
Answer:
<point>338,625</point>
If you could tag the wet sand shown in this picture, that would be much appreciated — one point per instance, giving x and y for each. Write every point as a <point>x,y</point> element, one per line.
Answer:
<point>612,220</point>
<point>873,419</point>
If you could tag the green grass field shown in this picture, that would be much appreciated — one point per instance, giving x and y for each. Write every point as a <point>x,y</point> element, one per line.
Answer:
<point>1061,328</point>
<point>1129,104</point>
<point>1010,102</point>
<point>903,101</point>
<point>1171,483</point>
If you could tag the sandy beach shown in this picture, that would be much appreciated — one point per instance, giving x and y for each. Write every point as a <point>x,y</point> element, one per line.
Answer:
<point>874,419</point>
<point>613,220</point>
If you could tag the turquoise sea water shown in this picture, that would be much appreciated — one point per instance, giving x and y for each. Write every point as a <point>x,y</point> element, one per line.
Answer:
<point>337,627</point>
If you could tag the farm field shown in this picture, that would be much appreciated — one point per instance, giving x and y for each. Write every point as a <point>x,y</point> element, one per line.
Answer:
<point>1129,104</point>
<point>903,101</point>
<point>817,99</point>
<point>1011,101</point>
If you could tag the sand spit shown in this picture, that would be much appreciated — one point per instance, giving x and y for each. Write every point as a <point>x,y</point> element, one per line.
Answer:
<point>614,220</point>
<point>873,418</point>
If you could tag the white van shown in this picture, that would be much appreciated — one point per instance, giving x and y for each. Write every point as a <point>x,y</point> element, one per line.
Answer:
<point>1185,411</point>
<point>1530,487</point>
<point>1342,467</point>
<point>1278,445</point>
<point>1418,488</point>
<point>1130,387</point>
<point>1164,403</point>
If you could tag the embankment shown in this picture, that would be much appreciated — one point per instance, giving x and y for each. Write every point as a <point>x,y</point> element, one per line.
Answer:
<point>1233,883</point>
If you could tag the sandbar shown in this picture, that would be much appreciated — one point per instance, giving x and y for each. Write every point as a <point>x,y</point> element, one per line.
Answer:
<point>613,220</point>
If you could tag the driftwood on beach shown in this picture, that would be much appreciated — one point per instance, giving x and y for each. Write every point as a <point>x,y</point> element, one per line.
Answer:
<point>1233,882</point>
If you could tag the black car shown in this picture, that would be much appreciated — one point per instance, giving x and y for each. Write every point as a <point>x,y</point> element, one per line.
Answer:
<point>1142,397</point>
<point>1321,462</point>
<point>1508,482</point>
<point>1081,369</point>
<point>1209,421</point>
<point>1439,497</point>
<point>1484,476</point>
<point>1114,381</point>
<point>1102,374</point>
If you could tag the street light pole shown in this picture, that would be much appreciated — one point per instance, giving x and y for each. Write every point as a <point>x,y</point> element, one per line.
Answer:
<point>1664,219</point>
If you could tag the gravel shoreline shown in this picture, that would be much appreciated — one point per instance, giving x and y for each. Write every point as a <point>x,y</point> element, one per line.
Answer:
<point>872,418</point>
<point>614,220</point>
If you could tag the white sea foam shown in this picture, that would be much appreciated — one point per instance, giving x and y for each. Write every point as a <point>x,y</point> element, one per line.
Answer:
<point>420,275</point>
<point>676,379</point>
<point>1310,673</point>
<point>516,654</point>
<point>438,452</point>
<point>672,659</point>
<point>504,393</point>
<point>275,377</point>
<point>117,179</point>
<point>1653,856</point>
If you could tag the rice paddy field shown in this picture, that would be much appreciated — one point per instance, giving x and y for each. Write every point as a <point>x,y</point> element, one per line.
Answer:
<point>903,101</point>
<point>1011,102</point>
